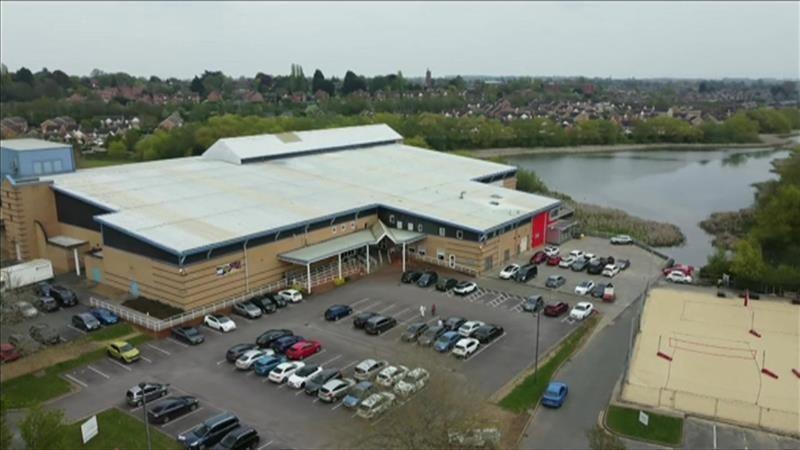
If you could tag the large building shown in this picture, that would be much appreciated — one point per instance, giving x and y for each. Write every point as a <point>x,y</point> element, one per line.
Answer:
<point>255,210</point>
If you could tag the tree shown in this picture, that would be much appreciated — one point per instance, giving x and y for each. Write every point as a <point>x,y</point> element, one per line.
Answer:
<point>24,75</point>
<point>117,150</point>
<point>6,435</point>
<point>61,78</point>
<point>297,80</point>
<point>263,82</point>
<point>748,263</point>
<point>353,83</point>
<point>600,439</point>
<point>197,86</point>
<point>319,83</point>
<point>42,428</point>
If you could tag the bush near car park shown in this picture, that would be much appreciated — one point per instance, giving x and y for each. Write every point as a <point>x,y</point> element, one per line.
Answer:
<point>118,430</point>
<point>6,435</point>
<point>43,428</point>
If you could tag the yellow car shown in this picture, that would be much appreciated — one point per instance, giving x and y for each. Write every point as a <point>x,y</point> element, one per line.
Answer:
<point>122,351</point>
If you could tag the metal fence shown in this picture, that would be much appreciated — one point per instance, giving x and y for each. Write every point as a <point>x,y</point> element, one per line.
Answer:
<point>444,263</point>
<point>642,245</point>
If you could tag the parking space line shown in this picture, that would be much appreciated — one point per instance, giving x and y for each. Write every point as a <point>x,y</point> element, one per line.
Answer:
<point>76,380</point>
<point>181,418</point>
<point>221,361</point>
<point>386,309</point>
<point>360,301</point>
<point>146,359</point>
<point>265,445</point>
<point>337,406</point>
<point>124,367</point>
<point>178,342</point>
<point>158,349</point>
<point>97,372</point>
<point>349,364</point>
<point>480,350</point>
<point>76,329</point>
<point>504,300</point>
<point>299,391</point>
<point>330,360</point>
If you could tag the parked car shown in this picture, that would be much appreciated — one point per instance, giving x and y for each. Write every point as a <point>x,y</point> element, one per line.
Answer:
<point>122,351</point>
<point>595,266</point>
<point>579,265</point>
<point>538,257</point>
<point>465,288</point>
<point>488,333</point>
<point>291,295</point>
<point>413,381</point>
<point>264,365</point>
<point>24,343</point>
<point>509,271</point>
<point>368,368</point>
<point>268,337</point>
<point>238,350</point>
<point>359,392</point>
<point>427,279</point>
<point>446,341</point>
<point>379,324</point>
<point>170,408</point>
<point>576,253</point>
<point>334,390</point>
<point>581,311</point>
<point>189,335</point>
<point>533,304</point>
<point>584,287</point>
<point>430,335</point>
<point>219,322</point>
<point>85,322</point>
<point>360,320</point>
<point>454,323</point>
<point>567,262</point>
<point>337,312</point>
<point>8,353</point>
<point>553,260</point>
<point>303,350</point>
<point>526,272</point>
<point>375,405</point>
<point>247,310</point>
<point>390,375</point>
<point>105,316</point>
<point>683,268</point>
<point>282,344</point>
<point>151,391</point>
<point>469,327</point>
<point>298,379</point>
<point>465,348</point>
<point>316,382</point>
<point>284,370</point>
<point>246,360</point>
<point>679,277</point>
<point>555,281</point>
<point>265,304</point>
<point>551,250</point>
<point>610,270</point>
<point>47,304</point>
<point>240,438</point>
<point>445,284</point>
<point>410,276</point>
<point>278,300</point>
<point>598,290</point>
<point>621,239</point>
<point>44,334</point>
<point>556,309</point>
<point>555,395</point>
<point>414,331</point>
<point>42,288</point>
<point>209,432</point>
<point>608,293</point>
<point>65,296</point>
<point>26,309</point>
<point>623,264</point>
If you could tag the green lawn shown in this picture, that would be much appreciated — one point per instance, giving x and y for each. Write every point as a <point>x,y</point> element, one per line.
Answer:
<point>112,332</point>
<point>117,430</point>
<point>527,394</point>
<point>661,429</point>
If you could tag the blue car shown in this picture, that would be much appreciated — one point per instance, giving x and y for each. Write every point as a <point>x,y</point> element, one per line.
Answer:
<point>282,344</point>
<point>264,365</point>
<point>105,316</point>
<point>336,312</point>
<point>555,394</point>
<point>447,341</point>
<point>359,393</point>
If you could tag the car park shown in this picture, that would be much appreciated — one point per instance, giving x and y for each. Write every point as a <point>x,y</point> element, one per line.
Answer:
<point>368,368</point>
<point>219,322</point>
<point>284,370</point>
<point>465,347</point>
<point>555,394</point>
<point>533,304</point>
<point>291,295</point>
<point>414,331</point>
<point>246,360</point>
<point>469,327</point>
<point>360,320</point>
<point>209,432</point>
<point>247,310</point>
<point>264,303</point>
<point>553,260</point>
<point>555,281</point>
<point>509,271</point>
<point>526,272</point>
<point>379,324</point>
<point>487,333</point>
<point>240,438</point>
<point>465,288</point>
<point>567,262</point>
<point>238,350</point>
<point>375,405</point>
<point>359,392</point>
<point>445,284</point>
<point>268,337</point>
<point>454,323</point>
<point>282,344</point>
<point>556,309</point>
<point>104,316</point>
<point>303,350</point>
<point>390,375</point>
<point>26,309</point>
<point>579,265</point>
<point>412,382</point>
<point>581,311</point>
<point>410,276</point>
<point>316,382</point>
<point>538,257</point>
<point>8,353</point>
<point>427,279</point>
<point>47,304</point>
<point>679,277</point>
<point>334,390</point>
<point>264,365</point>
<point>598,290</point>
<point>610,270</point>
<point>430,335</point>
<point>337,312</point>
<point>551,250</point>
<point>447,341</point>
<point>298,379</point>
<point>584,287</point>
<point>85,322</point>
<point>189,335</point>
<point>621,239</point>
<point>123,351</point>
<point>65,296</point>
<point>147,393</point>
<point>171,408</point>
<point>44,334</point>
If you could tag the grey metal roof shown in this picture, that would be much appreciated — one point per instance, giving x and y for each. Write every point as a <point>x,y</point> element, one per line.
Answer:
<point>28,144</point>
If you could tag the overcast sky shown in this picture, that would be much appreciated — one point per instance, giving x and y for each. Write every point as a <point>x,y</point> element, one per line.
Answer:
<point>621,40</point>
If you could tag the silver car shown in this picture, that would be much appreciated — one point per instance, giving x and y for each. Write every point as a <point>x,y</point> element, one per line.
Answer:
<point>368,368</point>
<point>335,389</point>
<point>248,310</point>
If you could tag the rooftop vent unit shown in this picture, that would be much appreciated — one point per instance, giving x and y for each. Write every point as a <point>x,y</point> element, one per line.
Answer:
<point>494,203</point>
<point>496,196</point>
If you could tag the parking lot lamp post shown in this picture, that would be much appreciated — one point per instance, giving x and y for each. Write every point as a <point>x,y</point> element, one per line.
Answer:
<point>536,362</point>
<point>144,413</point>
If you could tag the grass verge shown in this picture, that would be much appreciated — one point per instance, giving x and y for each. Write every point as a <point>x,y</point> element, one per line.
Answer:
<point>527,394</point>
<point>119,431</point>
<point>661,429</point>
<point>112,332</point>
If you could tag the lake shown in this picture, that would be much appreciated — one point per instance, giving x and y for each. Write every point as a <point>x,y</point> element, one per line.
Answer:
<point>676,186</point>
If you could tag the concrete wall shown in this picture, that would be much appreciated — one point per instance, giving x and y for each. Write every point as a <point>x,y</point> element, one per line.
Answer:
<point>22,206</point>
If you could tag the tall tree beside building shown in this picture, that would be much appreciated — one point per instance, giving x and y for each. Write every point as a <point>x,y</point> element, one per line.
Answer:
<point>24,75</point>
<point>319,83</point>
<point>197,86</point>
<point>353,83</point>
<point>297,80</point>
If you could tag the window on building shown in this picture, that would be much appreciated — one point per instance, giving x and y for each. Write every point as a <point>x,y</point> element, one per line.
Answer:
<point>412,250</point>
<point>334,229</point>
<point>459,234</point>
<point>399,224</point>
<point>57,165</point>
<point>441,231</point>
<point>47,167</point>
<point>353,225</point>
<point>487,263</point>
<point>410,226</point>
<point>37,168</point>
<point>391,219</point>
<point>343,227</point>
<point>422,251</point>
<point>419,227</point>
<point>440,255</point>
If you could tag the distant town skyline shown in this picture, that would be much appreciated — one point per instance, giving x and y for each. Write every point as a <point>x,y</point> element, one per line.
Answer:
<point>595,39</point>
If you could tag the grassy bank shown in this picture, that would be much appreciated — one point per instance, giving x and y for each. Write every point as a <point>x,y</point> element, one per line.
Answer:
<point>661,429</point>
<point>527,394</point>
<point>118,430</point>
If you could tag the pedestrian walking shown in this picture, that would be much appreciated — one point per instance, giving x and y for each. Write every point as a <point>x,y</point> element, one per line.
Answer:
<point>440,323</point>
<point>433,309</point>
<point>422,310</point>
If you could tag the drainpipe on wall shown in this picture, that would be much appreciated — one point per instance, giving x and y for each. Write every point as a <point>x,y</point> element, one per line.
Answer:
<point>246,270</point>
<point>77,262</point>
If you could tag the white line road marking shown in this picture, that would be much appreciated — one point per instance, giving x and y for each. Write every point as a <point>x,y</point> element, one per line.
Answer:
<point>484,348</point>
<point>146,359</point>
<point>330,360</point>
<point>337,406</point>
<point>349,364</point>
<point>98,372</point>
<point>316,354</point>
<point>181,418</point>
<point>299,392</point>
<point>178,342</point>
<point>316,399</point>
<point>265,445</point>
<point>158,349</point>
<point>124,367</point>
<point>76,380</point>
<point>221,361</point>
<point>715,436</point>
<point>360,301</point>
<point>386,309</point>
<point>504,300</point>
<point>76,329</point>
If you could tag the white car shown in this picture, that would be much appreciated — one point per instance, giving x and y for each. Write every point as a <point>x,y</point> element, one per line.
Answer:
<point>610,270</point>
<point>246,360</point>
<point>622,239</point>
<point>284,370</point>
<point>566,263</point>
<point>589,256</point>
<point>219,322</point>
<point>470,327</point>
<point>576,254</point>
<point>375,405</point>
<point>299,378</point>
<point>676,276</point>
<point>581,311</point>
<point>413,381</point>
<point>465,347</point>
<point>465,288</point>
<point>391,375</point>
<point>291,295</point>
<point>26,309</point>
<point>509,271</point>
<point>551,250</point>
<point>584,287</point>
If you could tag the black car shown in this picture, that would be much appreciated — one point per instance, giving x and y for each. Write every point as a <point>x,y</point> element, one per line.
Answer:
<point>488,333</point>
<point>454,323</point>
<point>65,296</point>
<point>598,290</point>
<point>237,350</point>
<point>361,319</point>
<point>264,304</point>
<point>266,338</point>
<point>170,408</point>
<point>240,438</point>
<point>410,276</point>
<point>579,265</point>
<point>337,312</point>
<point>427,279</point>
<point>150,392</point>
<point>85,322</point>
<point>445,284</point>
<point>430,335</point>
<point>47,304</point>
<point>414,331</point>
<point>282,344</point>
<point>189,335</point>
<point>623,264</point>
<point>279,301</point>
<point>209,432</point>
<point>379,324</point>
<point>43,334</point>
<point>526,272</point>
<point>317,381</point>
<point>555,281</point>
<point>595,266</point>
<point>42,289</point>
<point>533,304</point>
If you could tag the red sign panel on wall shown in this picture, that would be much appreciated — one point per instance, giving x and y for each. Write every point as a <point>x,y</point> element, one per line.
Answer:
<point>539,229</point>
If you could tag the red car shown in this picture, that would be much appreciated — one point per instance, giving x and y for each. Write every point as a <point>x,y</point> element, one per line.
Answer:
<point>556,309</point>
<point>9,353</point>
<point>538,257</point>
<point>553,260</point>
<point>303,350</point>
<point>683,268</point>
